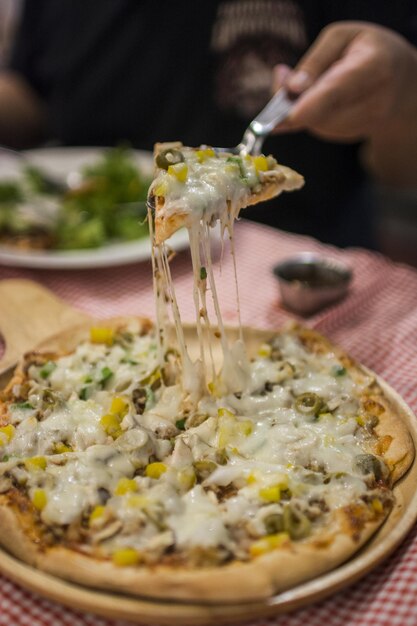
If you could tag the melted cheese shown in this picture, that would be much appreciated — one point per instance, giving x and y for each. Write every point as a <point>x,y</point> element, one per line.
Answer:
<point>254,443</point>
<point>212,186</point>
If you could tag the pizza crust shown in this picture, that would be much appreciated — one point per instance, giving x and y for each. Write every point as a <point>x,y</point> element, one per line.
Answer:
<point>236,582</point>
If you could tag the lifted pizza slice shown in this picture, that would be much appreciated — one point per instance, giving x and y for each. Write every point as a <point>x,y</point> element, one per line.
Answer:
<point>194,184</point>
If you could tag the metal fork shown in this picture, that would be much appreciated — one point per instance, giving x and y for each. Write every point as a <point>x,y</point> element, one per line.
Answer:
<point>273,114</point>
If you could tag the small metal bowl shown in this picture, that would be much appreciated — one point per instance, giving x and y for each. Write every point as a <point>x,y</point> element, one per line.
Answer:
<point>309,282</point>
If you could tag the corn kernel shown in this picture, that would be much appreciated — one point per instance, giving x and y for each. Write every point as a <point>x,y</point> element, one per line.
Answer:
<point>251,479</point>
<point>125,556</point>
<point>100,334</point>
<point>202,155</point>
<point>61,448</point>
<point>186,478</point>
<point>225,435</point>
<point>119,406</point>
<point>230,427</point>
<point>6,434</point>
<point>111,425</point>
<point>125,485</point>
<point>264,350</point>
<point>155,470</point>
<point>377,505</point>
<point>136,500</point>
<point>268,543</point>
<point>160,189</point>
<point>96,513</point>
<point>270,494</point>
<point>39,499</point>
<point>35,463</point>
<point>152,377</point>
<point>260,163</point>
<point>179,171</point>
<point>216,388</point>
<point>245,427</point>
<point>232,168</point>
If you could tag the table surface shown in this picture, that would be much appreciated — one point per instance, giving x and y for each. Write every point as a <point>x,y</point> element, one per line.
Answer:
<point>376,323</point>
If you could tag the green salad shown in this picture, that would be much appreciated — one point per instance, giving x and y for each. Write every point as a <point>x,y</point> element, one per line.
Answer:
<point>108,205</point>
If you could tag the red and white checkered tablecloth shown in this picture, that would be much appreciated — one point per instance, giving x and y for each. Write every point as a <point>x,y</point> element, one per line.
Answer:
<point>376,323</point>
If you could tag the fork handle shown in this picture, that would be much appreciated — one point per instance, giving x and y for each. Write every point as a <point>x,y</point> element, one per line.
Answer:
<point>274,112</point>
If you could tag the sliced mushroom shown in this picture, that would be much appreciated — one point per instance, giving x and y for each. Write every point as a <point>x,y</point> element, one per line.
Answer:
<point>296,523</point>
<point>108,531</point>
<point>370,464</point>
<point>139,398</point>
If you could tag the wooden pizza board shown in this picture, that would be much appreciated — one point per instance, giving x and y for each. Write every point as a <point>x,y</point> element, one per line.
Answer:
<point>28,314</point>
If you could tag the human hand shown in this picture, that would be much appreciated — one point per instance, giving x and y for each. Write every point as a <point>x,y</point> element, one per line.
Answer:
<point>357,80</point>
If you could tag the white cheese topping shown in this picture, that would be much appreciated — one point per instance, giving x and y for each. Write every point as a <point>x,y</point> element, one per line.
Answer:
<point>210,186</point>
<point>215,474</point>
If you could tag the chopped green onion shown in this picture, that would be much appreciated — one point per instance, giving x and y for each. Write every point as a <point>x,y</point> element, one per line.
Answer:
<point>47,369</point>
<point>150,397</point>
<point>180,424</point>
<point>5,458</point>
<point>106,374</point>
<point>338,370</point>
<point>23,405</point>
<point>129,361</point>
<point>88,379</point>
<point>83,395</point>
<point>238,161</point>
<point>203,273</point>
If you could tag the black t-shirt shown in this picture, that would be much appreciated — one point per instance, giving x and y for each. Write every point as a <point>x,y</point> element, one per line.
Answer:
<point>141,71</point>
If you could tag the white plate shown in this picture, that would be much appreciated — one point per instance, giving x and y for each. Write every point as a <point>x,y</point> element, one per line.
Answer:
<point>60,162</point>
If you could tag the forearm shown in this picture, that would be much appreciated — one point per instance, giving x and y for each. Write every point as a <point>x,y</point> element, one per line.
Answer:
<point>22,115</point>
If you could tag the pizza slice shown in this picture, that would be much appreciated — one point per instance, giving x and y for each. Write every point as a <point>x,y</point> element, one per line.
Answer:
<point>194,184</point>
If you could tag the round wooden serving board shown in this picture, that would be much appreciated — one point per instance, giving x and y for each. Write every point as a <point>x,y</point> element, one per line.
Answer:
<point>28,314</point>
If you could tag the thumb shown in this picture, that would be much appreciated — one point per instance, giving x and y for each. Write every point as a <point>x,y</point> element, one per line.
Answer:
<point>280,74</point>
<point>326,50</point>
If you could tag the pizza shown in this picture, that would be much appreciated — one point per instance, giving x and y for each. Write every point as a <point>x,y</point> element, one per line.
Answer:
<point>114,475</point>
<point>201,184</point>
<point>195,464</point>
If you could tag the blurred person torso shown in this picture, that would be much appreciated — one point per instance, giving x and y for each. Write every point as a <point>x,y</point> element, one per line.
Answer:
<point>141,71</point>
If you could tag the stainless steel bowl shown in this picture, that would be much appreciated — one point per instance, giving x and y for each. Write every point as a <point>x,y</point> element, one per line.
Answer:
<point>309,282</point>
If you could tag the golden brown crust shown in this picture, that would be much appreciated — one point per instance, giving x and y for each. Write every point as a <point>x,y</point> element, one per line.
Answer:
<point>260,578</point>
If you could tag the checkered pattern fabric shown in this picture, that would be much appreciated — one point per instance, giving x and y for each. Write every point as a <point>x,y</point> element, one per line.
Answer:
<point>376,323</point>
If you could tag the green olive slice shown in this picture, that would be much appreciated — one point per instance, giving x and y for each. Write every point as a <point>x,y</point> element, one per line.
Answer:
<point>308,403</point>
<point>274,523</point>
<point>296,523</point>
<point>168,157</point>
<point>204,468</point>
<point>369,464</point>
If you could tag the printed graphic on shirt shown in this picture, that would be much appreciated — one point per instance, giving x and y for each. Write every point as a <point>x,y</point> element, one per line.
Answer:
<point>249,38</point>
